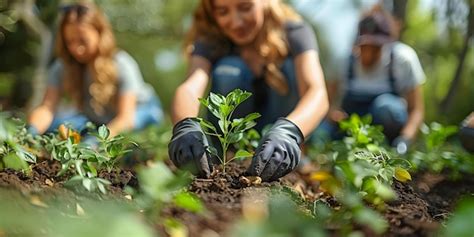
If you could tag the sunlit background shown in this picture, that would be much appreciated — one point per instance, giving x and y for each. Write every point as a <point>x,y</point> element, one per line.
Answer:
<point>152,32</point>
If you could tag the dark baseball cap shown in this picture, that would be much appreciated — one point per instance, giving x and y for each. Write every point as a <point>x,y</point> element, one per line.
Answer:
<point>375,29</point>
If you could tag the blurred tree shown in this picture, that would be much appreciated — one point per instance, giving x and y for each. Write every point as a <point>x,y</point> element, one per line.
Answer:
<point>439,38</point>
<point>468,37</point>
<point>26,42</point>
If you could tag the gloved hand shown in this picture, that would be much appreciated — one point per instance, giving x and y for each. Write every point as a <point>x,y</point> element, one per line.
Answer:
<point>278,152</point>
<point>401,144</point>
<point>187,148</point>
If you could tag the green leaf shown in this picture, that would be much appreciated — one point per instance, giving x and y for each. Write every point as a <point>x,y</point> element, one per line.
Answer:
<point>189,202</point>
<point>87,183</point>
<point>207,125</point>
<point>212,151</point>
<point>235,137</point>
<point>104,132</point>
<point>216,99</point>
<point>13,161</point>
<point>242,154</point>
<point>252,116</point>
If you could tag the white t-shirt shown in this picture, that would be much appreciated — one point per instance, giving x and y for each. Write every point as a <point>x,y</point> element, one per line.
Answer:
<point>407,72</point>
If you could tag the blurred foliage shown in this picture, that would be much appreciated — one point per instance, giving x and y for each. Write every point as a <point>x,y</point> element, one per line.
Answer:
<point>438,48</point>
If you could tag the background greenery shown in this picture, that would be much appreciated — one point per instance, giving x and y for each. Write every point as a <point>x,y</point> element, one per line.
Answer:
<point>152,32</point>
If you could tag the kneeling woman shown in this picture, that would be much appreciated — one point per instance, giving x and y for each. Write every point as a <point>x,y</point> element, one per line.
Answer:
<point>264,47</point>
<point>103,82</point>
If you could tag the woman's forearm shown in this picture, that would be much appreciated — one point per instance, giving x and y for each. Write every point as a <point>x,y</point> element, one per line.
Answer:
<point>415,119</point>
<point>310,110</point>
<point>185,104</point>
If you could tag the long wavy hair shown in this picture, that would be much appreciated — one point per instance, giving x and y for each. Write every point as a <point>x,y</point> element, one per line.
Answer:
<point>271,42</point>
<point>103,88</point>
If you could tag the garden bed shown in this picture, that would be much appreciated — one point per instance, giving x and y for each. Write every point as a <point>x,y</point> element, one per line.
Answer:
<point>421,206</point>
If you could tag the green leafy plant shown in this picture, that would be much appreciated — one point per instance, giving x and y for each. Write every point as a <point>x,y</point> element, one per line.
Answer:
<point>83,161</point>
<point>15,151</point>
<point>435,154</point>
<point>231,130</point>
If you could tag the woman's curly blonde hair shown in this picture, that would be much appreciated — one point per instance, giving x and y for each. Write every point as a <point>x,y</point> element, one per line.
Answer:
<point>103,88</point>
<point>271,41</point>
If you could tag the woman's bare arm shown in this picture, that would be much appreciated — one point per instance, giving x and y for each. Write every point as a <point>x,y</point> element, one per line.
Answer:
<point>185,102</point>
<point>42,116</point>
<point>313,104</point>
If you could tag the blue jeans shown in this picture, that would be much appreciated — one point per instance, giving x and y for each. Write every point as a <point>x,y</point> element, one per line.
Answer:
<point>387,110</point>
<point>145,114</point>
<point>232,72</point>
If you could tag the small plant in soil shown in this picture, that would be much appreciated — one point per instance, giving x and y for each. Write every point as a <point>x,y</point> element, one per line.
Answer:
<point>15,152</point>
<point>82,160</point>
<point>231,130</point>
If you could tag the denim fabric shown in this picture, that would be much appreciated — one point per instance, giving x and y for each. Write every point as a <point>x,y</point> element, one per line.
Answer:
<point>146,114</point>
<point>232,72</point>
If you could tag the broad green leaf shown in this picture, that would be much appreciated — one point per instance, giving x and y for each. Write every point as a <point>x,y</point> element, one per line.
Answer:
<point>222,126</point>
<point>212,151</point>
<point>242,154</point>
<point>216,99</point>
<point>87,183</point>
<point>252,116</point>
<point>189,202</point>
<point>207,125</point>
<point>104,132</point>
<point>235,137</point>
<point>225,110</point>
<point>13,161</point>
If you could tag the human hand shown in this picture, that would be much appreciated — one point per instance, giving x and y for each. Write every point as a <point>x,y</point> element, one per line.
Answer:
<point>278,152</point>
<point>187,148</point>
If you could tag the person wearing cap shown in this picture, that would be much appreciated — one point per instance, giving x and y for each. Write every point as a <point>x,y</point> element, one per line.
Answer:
<point>103,83</point>
<point>382,77</point>
<point>261,46</point>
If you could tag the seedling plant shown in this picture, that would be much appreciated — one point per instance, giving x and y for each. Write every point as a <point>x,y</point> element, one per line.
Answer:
<point>231,130</point>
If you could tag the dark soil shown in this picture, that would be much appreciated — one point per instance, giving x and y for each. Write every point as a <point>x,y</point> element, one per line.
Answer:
<point>421,206</point>
<point>43,176</point>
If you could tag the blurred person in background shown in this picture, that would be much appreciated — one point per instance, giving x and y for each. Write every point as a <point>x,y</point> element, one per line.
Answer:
<point>466,134</point>
<point>382,77</point>
<point>103,83</point>
<point>260,46</point>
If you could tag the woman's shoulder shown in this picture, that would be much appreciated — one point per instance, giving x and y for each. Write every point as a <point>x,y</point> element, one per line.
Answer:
<point>300,37</point>
<point>122,56</point>
<point>403,52</point>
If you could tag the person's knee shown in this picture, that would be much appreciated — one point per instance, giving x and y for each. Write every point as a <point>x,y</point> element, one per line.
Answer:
<point>230,73</point>
<point>389,109</point>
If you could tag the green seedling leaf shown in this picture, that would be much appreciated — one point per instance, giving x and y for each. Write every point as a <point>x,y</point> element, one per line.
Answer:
<point>188,201</point>
<point>235,137</point>
<point>13,161</point>
<point>242,154</point>
<point>207,125</point>
<point>104,132</point>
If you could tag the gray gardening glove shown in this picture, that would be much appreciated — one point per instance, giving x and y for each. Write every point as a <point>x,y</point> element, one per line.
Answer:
<point>278,152</point>
<point>187,148</point>
<point>401,145</point>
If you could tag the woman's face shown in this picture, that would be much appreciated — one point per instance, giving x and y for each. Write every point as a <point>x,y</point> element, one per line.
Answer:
<point>82,41</point>
<point>240,20</point>
<point>370,55</point>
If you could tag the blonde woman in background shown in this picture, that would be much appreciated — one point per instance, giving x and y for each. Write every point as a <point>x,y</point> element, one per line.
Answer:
<point>103,82</point>
<point>261,46</point>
